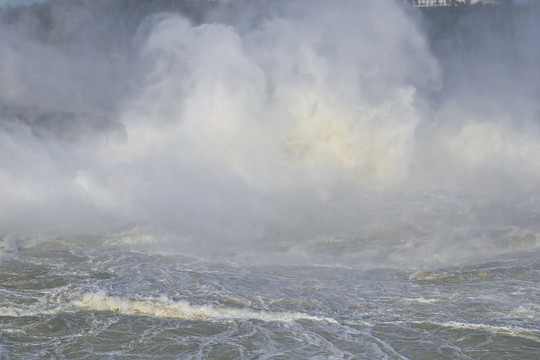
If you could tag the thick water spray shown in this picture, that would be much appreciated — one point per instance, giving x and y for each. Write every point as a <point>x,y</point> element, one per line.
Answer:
<point>244,179</point>
<point>302,130</point>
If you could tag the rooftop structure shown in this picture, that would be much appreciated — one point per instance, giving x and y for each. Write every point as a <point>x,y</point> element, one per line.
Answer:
<point>432,3</point>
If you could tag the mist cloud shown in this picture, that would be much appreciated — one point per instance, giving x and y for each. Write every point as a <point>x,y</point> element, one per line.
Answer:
<point>314,128</point>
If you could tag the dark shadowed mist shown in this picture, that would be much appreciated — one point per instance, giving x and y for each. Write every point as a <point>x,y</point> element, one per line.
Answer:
<point>353,132</point>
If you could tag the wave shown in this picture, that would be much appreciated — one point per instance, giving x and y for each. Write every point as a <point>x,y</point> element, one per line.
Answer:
<point>514,331</point>
<point>163,307</point>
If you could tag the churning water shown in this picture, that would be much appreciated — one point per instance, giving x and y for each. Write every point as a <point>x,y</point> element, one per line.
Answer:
<point>276,180</point>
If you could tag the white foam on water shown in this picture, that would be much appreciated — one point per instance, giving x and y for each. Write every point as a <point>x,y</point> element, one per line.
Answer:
<point>530,311</point>
<point>164,307</point>
<point>509,330</point>
<point>43,307</point>
<point>27,311</point>
<point>422,300</point>
<point>35,302</point>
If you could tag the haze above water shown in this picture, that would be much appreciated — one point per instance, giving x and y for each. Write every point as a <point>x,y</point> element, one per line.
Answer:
<point>351,132</point>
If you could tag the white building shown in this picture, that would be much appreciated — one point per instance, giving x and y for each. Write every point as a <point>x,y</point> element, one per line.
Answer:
<point>486,1</point>
<point>427,3</point>
<point>430,3</point>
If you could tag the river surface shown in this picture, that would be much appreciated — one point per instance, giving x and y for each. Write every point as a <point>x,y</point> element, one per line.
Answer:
<point>94,298</point>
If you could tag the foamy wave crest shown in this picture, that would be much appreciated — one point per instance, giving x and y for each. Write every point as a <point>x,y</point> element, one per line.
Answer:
<point>164,307</point>
<point>514,331</point>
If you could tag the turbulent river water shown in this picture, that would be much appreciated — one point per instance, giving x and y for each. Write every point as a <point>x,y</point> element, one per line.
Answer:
<point>89,298</point>
<point>269,180</point>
